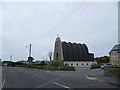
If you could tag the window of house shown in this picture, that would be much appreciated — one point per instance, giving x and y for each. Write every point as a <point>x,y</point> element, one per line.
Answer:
<point>116,62</point>
<point>77,64</point>
<point>87,64</point>
<point>71,64</point>
<point>82,63</point>
<point>114,54</point>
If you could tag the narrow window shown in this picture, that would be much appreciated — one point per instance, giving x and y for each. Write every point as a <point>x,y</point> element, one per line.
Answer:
<point>71,64</point>
<point>82,63</point>
<point>87,63</point>
<point>77,64</point>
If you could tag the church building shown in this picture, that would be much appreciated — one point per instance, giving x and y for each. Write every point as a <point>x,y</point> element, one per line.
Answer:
<point>73,54</point>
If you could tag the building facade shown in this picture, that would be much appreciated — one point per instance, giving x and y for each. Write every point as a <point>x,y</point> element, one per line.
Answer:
<point>115,55</point>
<point>73,54</point>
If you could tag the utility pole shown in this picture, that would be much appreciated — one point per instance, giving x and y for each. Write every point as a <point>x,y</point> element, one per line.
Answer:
<point>10,59</point>
<point>30,51</point>
<point>30,58</point>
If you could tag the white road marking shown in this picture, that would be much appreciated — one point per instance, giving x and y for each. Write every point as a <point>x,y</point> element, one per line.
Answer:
<point>62,85</point>
<point>4,81</point>
<point>38,76</point>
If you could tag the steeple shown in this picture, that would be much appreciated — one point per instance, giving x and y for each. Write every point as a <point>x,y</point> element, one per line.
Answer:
<point>58,38</point>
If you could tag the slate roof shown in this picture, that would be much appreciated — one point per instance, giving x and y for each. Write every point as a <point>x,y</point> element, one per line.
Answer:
<point>76,52</point>
<point>115,48</point>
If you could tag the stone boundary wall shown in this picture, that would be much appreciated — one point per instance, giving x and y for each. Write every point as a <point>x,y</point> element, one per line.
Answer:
<point>50,68</point>
<point>112,71</point>
<point>53,68</point>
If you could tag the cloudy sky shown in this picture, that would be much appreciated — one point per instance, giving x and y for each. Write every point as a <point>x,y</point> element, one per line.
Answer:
<point>92,23</point>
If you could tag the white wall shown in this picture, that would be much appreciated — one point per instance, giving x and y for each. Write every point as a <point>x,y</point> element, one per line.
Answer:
<point>79,63</point>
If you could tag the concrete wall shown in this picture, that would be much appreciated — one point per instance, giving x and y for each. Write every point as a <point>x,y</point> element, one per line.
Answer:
<point>79,63</point>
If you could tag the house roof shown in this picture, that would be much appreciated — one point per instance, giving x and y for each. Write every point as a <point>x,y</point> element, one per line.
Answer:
<point>116,48</point>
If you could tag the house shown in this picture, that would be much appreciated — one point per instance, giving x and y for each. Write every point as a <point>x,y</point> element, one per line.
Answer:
<point>115,55</point>
<point>73,54</point>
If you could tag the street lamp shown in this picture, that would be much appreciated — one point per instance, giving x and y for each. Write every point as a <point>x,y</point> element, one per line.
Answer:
<point>30,58</point>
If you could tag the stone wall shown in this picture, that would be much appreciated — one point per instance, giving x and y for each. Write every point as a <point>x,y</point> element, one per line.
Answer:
<point>54,68</point>
<point>112,71</point>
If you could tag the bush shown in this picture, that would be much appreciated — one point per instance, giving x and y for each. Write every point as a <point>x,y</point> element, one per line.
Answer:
<point>56,63</point>
<point>43,63</point>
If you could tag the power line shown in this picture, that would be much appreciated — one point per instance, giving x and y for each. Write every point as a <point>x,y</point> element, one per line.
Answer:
<point>64,21</point>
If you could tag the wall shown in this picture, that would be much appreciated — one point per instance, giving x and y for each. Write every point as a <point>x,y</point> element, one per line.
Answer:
<point>79,63</point>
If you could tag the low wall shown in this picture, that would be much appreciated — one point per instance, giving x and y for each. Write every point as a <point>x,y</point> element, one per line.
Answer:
<point>53,68</point>
<point>112,71</point>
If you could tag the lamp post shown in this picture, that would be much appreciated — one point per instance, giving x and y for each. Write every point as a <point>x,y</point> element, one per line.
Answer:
<point>30,58</point>
<point>10,60</point>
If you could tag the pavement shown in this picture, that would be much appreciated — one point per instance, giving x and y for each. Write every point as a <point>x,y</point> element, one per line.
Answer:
<point>105,79</point>
<point>18,77</point>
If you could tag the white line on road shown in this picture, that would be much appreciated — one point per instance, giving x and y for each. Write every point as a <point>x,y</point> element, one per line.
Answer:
<point>3,83</point>
<point>62,85</point>
<point>38,76</point>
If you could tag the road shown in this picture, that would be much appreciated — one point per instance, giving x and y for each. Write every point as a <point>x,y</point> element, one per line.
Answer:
<point>18,77</point>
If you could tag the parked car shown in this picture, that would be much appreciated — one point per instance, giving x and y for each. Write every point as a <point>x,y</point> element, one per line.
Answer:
<point>94,66</point>
<point>105,65</point>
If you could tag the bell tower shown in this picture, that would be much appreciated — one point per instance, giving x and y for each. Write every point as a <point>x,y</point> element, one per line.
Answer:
<point>58,49</point>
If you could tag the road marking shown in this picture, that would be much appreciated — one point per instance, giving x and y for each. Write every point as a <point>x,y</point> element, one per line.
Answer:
<point>103,81</point>
<point>3,83</point>
<point>38,76</point>
<point>62,85</point>
<point>91,78</point>
<point>47,71</point>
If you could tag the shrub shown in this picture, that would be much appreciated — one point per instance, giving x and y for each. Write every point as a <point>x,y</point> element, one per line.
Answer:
<point>43,63</point>
<point>56,63</point>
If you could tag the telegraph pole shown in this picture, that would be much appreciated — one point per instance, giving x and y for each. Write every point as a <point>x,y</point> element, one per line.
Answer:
<point>30,51</point>
<point>10,59</point>
<point>30,58</point>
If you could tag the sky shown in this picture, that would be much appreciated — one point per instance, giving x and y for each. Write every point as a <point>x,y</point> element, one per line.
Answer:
<point>38,23</point>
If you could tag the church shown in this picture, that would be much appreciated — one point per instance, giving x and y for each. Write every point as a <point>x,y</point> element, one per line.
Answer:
<point>73,54</point>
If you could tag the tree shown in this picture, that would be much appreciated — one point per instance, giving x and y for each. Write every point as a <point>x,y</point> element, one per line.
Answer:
<point>104,59</point>
<point>50,55</point>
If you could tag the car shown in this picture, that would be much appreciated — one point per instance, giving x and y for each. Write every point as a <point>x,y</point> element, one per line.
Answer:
<point>105,65</point>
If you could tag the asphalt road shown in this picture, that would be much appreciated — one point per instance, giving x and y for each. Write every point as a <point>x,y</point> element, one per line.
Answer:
<point>16,77</point>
